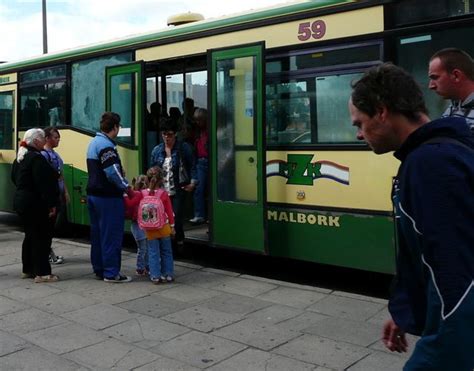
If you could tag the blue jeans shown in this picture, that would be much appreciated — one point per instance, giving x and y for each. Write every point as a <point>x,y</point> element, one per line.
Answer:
<point>202,168</point>
<point>160,257</point>
<point>142,246</point>
<point>107,223</point>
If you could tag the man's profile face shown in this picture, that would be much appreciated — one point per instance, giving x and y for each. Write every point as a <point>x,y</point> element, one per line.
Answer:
<point>372,130</point>
<point>53,139</point>
<point>441,81</point>
<point>114,132</point>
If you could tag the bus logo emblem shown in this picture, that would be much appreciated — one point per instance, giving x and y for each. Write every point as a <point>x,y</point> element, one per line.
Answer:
<point>300,170</point>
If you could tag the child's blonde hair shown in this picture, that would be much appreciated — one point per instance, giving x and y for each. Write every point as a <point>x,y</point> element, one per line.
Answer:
<point>141,182</point>
<point>155,177</point>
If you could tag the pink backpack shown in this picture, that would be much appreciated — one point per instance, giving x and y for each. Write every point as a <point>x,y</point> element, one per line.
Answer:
<point>151,211</point>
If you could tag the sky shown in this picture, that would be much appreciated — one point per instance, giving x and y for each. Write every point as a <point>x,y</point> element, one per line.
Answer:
<point>73,23</point>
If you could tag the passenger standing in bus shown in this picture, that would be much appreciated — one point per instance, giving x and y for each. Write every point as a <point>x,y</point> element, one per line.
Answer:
<point>186,123</point>
<point>154,117</point>
<point>174,114</point>
<point>35,201</point>
<point>57,115</point>
<point>105,188</point>
<point>30,114</point>
<point>202,166</point>
<point>451,74</point>
<point>52,141</point>
<point>177,160</point>
<point>433,195</point>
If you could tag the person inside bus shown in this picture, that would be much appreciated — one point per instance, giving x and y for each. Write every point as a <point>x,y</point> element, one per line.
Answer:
<point>52,141</point>
<point>433,197</point>
<point>186,123</point>
<point>202,166</point>
<point>57,114</point>
<point>35,201</point>
<point>30,114</point>
<point>178,162</point>
<point>105,188</point>
<point>451,74</point>
<point>175,114</point>
<point>154,117</point>
<point>152,121</point>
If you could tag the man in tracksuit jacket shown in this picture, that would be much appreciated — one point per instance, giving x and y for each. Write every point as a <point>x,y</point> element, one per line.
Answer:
<point>433,196</point>
<point>105,189</point>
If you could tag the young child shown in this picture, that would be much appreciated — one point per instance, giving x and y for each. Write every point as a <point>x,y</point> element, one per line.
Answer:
<point>131,211</point>
<point>160,254</point>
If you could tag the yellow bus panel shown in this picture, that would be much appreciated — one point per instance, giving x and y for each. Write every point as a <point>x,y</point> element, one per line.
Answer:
<point>7,79</point>
<point>344,179</point>
<point>351,23</point>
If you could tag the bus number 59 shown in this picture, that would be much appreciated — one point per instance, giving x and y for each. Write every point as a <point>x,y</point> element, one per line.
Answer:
<point>316,30</point>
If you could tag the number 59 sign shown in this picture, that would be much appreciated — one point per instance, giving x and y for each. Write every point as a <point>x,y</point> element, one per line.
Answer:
<point>308,30</point>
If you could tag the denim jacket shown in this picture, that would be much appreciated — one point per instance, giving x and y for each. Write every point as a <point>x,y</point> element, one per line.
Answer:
<point>158,156</point>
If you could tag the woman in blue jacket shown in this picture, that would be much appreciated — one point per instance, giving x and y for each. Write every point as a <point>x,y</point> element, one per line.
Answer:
<point>177,160</point>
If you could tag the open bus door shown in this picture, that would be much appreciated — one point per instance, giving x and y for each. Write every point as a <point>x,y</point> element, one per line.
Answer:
<point>237,156</point>
<point>124,95</point>
<point>8,143</point>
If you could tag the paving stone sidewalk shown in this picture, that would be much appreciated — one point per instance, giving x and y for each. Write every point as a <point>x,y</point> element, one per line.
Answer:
<point>207,320</point>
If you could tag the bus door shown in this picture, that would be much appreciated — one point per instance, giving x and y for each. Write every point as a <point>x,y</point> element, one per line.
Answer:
<point>124,95</point>
<point>237,156</point>
<point>7,142</point>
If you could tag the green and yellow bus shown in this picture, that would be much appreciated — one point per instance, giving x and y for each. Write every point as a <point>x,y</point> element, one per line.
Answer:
<point>288,178</point>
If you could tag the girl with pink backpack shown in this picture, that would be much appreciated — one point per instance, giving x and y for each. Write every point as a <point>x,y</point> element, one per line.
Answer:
<point>156,218</point>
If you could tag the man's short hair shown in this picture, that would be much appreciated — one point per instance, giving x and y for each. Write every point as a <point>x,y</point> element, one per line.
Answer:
<point>48,132</point>
<point>390,86</point>
<point>109,121</point>
<point>453,58</point>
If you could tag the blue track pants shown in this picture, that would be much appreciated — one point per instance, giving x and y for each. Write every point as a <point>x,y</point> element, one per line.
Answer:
<point>107,223</point>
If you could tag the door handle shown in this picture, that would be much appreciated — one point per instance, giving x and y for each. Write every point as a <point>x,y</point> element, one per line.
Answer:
<point>251,160</point>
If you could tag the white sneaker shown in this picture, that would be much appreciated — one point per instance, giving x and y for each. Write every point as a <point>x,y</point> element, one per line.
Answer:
<point>55,259</point>
<point>197,219</point>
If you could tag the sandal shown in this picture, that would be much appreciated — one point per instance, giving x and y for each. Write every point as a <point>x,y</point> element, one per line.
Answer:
<point>48,278</point>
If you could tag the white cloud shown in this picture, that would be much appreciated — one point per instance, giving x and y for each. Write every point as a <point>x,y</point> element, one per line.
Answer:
<point>72,23</point>
<point>20,36</point>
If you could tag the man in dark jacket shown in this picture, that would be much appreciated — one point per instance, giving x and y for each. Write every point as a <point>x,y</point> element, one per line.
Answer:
<point>433,197</point>
<point>105,188</point>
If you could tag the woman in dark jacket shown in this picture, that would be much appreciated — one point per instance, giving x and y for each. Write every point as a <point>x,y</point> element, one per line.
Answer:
<point>177,179</point>
<point>35,202</point>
